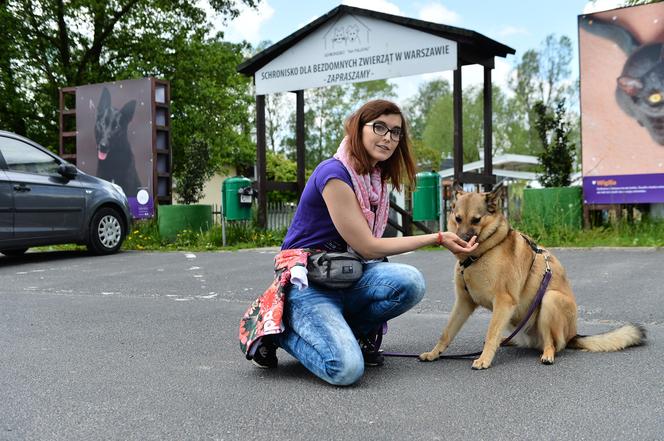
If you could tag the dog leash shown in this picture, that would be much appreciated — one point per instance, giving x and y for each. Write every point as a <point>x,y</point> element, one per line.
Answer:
<point>533,306</point>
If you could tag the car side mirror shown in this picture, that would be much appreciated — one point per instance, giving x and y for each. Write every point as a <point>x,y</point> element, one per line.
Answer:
<point>67,170</point>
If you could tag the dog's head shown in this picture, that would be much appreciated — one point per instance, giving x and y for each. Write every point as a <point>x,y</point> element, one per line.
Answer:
<point>475,213</point>
<point>111,124</point>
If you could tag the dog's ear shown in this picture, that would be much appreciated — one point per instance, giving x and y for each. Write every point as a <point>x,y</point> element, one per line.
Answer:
<point>127,111</point>
<point>457,190</point>
<point>493,198</point>
<point>105,100</point>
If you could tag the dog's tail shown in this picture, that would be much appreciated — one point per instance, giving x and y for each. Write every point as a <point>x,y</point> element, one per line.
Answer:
<point>611,341</point>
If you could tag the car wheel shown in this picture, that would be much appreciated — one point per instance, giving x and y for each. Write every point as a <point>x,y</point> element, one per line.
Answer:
<point>106,232</point>
<point>14,252</point>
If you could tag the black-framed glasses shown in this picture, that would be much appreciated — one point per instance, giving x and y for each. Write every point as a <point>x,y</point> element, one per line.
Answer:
<point>381,129</point>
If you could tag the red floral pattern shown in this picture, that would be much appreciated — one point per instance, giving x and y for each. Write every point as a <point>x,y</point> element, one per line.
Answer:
<point>265,315</point>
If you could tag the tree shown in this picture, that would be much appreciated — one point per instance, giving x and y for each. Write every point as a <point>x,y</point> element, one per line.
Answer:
<point>281,169</point>
<point>439,129</point>
<point>275,109</point>
<point>557,155</point>
<point>326,110</point>
<point>544,75</point>
<point>210,102</point>
<point>418,107</point>
<point>274,119</point>
<point>53,45</point>
<point>189,186</point>
<point>541,76</point>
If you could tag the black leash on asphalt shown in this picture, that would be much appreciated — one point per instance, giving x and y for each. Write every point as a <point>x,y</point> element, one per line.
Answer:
<point>533,306</point>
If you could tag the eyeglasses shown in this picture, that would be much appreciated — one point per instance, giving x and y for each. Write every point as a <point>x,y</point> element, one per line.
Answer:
<point>381,129</point>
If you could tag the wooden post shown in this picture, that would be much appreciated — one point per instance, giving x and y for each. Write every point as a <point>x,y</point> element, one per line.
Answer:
<point>488,126</point>
<point>299,140</point>
<point>458,124</point>
<point>261,162</point>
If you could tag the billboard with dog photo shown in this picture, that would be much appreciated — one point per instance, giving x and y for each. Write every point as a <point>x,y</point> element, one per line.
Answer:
<point>622,104</point>
<point>114,138</point>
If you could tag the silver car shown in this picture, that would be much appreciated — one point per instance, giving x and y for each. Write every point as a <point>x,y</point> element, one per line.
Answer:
<point>44,200</point>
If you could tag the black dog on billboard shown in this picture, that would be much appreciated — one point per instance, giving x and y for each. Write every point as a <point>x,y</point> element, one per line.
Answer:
<point>115,157</point>
<point>640,86</point>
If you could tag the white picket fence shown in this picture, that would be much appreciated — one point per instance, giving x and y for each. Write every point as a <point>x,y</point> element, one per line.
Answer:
<point>280,214</point>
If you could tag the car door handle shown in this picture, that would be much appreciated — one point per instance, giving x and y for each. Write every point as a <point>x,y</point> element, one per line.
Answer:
<point>21,188</point>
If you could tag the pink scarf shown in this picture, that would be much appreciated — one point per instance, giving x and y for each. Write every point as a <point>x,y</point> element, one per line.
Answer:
<point>369,191</point>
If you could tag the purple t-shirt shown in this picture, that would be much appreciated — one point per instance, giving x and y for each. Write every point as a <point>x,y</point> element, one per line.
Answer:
<point>312,225</point>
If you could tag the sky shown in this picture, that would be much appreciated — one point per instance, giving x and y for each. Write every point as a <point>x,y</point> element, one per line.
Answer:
<point>519,24</point>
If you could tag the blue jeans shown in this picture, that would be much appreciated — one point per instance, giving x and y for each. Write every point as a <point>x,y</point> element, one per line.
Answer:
<point>322,326</point>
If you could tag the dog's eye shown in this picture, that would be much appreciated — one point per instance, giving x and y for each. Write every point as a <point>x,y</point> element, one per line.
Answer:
<point>458,219</point>
<point>475,220</point>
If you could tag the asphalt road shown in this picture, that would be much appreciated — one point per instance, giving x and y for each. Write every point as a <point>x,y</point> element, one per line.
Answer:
<point>143,346</point>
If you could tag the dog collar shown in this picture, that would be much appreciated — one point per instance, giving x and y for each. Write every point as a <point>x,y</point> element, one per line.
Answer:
<point>469,261</point>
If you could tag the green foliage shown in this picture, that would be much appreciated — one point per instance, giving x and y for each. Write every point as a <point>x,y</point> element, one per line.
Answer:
<point>210,102</point>
<point>281,169</point>
<point>417,108</point>
<point>557,156</point>
<point>50,46</point>
<point>540,75</point>
<point>439,130</point>
<point>145,236</point>
<point>194,171</point>
<point>649,233</point>
<point>326,110</point>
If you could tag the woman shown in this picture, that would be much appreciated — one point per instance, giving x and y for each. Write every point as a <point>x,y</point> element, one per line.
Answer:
<point>345,204</point>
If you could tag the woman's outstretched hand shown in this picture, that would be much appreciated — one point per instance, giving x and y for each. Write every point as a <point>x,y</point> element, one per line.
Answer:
<point>457,245</point>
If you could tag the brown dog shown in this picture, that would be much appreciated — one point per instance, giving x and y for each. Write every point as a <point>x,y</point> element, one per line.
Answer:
<point>504,277</point>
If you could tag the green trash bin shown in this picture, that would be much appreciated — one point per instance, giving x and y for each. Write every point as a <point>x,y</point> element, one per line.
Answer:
<point>426,197</point>
<point>236,198</point>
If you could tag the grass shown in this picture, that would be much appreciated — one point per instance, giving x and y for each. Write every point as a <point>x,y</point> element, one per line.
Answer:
<point>645,233</point>
<point>145,237</point>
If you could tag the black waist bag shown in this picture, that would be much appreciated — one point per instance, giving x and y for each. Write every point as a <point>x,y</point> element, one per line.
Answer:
<point>334,270</point>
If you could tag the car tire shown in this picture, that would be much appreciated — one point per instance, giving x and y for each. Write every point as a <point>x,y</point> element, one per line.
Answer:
<point>15,252</point>
<point>107,232</point>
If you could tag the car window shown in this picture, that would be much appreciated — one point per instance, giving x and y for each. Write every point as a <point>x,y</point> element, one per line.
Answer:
<point>22,157</point>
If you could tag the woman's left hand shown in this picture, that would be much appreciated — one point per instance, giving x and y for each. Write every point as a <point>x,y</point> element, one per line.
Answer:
<point>457,245</point>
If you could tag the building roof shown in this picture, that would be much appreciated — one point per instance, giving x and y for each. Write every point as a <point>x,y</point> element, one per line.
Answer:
<point>508,165</point>
<point>473,48</point>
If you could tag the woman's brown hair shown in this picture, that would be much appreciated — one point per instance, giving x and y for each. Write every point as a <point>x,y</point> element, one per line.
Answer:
<point>401,162</point>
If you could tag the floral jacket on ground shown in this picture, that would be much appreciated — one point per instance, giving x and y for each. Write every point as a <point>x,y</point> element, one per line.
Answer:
<point>265,315</point>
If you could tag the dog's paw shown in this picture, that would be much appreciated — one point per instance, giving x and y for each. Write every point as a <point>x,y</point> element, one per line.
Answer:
<point>546,360</point>
<point>481,363</point>
<point>429,356</point>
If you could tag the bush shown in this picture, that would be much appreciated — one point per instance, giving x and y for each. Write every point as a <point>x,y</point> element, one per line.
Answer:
<point>194,172</point>
<point>557,157</point>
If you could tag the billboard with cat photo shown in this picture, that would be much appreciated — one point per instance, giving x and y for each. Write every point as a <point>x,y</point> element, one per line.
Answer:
<point>621,54</point>
<point>114,138</point>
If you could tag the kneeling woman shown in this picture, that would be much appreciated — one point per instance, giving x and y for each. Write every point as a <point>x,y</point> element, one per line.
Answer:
<point>345,204</point>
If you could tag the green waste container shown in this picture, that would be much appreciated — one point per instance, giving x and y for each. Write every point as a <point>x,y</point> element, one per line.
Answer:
<point>426,197</point>
<point>236,198</point>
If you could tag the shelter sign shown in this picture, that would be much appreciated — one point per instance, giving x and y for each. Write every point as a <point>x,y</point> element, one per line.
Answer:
<point>353,49</point>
